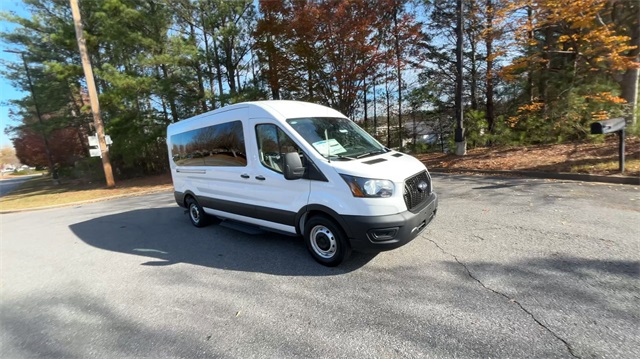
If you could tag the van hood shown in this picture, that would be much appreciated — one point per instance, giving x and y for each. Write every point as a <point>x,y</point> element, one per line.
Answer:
<point>393,166</point>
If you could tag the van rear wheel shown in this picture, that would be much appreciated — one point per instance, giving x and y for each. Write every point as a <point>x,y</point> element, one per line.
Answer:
<point>326,241</point>
<point>197,216</point>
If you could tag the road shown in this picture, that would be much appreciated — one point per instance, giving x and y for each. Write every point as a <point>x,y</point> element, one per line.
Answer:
<point>510,268</point>
<point>8,185</point>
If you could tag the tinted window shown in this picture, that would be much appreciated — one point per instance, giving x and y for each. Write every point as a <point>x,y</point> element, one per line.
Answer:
<point>218,145</point>
<point>273,143</point>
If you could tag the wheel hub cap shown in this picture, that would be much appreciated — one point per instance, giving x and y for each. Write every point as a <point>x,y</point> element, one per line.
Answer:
<point>323,242</point>
<point>195,214</point>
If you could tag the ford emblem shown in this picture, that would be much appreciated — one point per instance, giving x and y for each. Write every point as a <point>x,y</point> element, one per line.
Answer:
<point>422,186</point>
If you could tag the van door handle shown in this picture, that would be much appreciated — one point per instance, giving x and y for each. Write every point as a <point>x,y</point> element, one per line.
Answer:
<point>261,178</point>
<point>244,175</point>
<point>191,171</point>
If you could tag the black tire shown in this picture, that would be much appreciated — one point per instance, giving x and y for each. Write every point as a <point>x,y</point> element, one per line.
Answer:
<point>197,216</point>
<point>326,241</point>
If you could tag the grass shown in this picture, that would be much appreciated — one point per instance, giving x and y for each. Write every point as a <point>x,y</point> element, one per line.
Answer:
<point>631,166</point>
<point>42,192</point>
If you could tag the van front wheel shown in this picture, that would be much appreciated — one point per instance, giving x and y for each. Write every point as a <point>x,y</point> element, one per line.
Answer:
<point>196,214</point>
<point>326,241</point>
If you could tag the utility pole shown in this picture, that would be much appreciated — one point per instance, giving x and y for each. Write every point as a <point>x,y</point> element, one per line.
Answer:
<point>47,150</point>
<point>93,94</point>
<point>461,143</point>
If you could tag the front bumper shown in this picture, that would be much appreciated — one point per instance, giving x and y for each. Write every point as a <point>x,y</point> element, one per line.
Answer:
<point>383,233</point>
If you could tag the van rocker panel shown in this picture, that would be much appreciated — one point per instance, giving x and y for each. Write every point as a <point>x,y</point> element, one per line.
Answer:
<point>243,209</point>
<point>383,233</point>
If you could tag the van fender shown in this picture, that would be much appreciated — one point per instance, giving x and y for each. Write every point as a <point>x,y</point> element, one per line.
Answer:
<point>302,215</point>
<point>181,197</point>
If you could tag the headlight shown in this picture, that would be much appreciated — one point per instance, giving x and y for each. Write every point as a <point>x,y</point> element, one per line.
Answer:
<point>369,187</point>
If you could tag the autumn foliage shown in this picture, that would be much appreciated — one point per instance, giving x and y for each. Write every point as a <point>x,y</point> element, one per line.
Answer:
<point>535,71</point>
<point>65,145</point>
<point>323,51</point>
<point>572,50</point>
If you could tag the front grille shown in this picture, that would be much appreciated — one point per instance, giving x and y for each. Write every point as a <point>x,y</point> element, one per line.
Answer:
<point>413,196</point>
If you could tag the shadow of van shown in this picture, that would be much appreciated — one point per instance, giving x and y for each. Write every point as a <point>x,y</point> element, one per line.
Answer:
<point>165,237</point>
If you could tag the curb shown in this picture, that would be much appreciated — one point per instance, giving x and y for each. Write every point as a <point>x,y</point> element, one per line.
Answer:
<point>547,175</point>
<point>101,199</point>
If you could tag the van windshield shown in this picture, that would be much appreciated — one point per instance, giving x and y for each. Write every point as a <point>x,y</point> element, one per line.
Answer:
<point>335,137</point>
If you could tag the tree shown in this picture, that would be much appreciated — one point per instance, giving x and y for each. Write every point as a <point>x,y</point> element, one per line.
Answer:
<point>8,156</point>
<point>321,51</point>
<point>576,56</point>
<point>406,34</point>
<point>625,19</point>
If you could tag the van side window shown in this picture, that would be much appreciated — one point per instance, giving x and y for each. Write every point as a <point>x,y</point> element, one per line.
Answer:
<point>273,143</point>
<point>217,145</point>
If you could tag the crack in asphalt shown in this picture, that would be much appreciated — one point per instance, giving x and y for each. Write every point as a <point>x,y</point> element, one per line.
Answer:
<point>513,300</point>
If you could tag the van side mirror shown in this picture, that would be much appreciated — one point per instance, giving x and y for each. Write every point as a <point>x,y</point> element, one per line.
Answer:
<point>293,168</point>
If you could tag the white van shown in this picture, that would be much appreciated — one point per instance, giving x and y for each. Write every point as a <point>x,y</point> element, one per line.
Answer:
<point>300,169</point>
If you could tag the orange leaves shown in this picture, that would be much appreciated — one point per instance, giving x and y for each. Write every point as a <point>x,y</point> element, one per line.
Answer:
<point>524,112</point>
<point>531,107</point>
<point>605,97</point>
<point>576,33</point>
<point>599,115</point>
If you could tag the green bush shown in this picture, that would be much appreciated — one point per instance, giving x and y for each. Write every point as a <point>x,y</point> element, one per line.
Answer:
<point>89,169</point>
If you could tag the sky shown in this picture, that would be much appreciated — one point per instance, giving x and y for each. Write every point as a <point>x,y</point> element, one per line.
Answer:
<point>7,92</point>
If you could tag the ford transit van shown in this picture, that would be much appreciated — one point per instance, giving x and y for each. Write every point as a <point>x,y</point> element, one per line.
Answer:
<point>300,169</point>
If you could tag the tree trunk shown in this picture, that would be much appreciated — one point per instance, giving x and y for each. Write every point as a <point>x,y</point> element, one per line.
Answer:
<point>80,124</point>
<point>398,73</point>
<point>489,116</point>
<point>273,78</point>
<point>415,130</point>
<point>309,80</point>
<point>196,65</point>
<point>172,101</point>
<point>227,47</point>
<point>164,102</point>
<point>631,77</point>
<point>461,144</point>
<point>473,57</point>
<point>386,87</point>
<point>364,90</point>
<point>216,62</point>
<point>544,71</point>
<point>238,82</point>
<point>530,38</point>
<point>474,76</point>
<point>208,60</point>
<point>630,93</point>
<point>375,111</point>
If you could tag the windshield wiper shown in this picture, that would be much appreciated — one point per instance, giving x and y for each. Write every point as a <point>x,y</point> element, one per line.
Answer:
<point>344,157</point>
<point>367,154</point>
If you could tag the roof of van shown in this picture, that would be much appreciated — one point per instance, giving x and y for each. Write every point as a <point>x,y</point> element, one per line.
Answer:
<point>278,108</point>
<point>296,109</point>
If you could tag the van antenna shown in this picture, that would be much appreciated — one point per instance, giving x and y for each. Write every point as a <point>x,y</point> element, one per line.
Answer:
<point>326,138</point>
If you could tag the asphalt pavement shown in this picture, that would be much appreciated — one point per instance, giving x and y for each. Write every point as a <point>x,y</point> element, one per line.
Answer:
<point>9,184</point>
<point>510,268</point>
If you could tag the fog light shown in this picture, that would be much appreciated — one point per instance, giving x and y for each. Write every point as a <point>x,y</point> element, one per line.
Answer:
<point>383,234</point>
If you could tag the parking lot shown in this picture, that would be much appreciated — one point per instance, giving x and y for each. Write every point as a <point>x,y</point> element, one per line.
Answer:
<point>510,268</point>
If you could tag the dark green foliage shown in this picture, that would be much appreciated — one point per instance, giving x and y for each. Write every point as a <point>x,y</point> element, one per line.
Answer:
<point>155,62</point>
